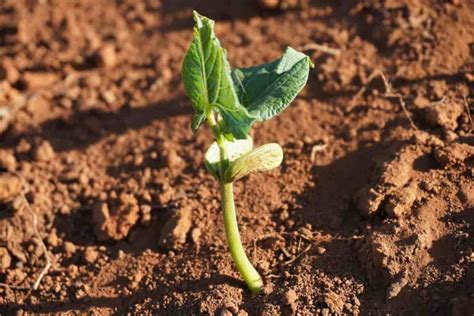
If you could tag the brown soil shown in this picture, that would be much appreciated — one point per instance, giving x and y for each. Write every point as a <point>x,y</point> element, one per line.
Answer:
<point>367,215</point>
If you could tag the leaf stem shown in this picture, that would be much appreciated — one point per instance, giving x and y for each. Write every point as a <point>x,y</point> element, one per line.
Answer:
<point>243,264</point>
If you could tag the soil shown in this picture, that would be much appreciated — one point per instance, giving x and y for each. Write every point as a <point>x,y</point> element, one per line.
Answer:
<point>371,213</point>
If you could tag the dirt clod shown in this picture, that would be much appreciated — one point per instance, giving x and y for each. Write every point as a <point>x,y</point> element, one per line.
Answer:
<point>290,297</point>
<point>107,56</point>
<point>334,302</point>
<point>5,259</point>
<point>453,154</point>
<point>10,187</point>
<point>114,223</point>
<point>44,152</point>
<point>176,228</point>
<point>7,160</point>
<point>53,239</point>
<point>444,115</point>
<point>69,248</point>
<point>90,255</point>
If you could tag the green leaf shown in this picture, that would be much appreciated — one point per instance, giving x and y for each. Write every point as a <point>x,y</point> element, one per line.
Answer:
<point>197,121</point>
<point>207,79</point>
<point>268,89</point>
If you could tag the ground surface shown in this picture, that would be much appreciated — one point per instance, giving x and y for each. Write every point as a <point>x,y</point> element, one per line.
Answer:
<point>369,213</point>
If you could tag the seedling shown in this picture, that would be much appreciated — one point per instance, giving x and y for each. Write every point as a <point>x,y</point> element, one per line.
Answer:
<point>231,101</point>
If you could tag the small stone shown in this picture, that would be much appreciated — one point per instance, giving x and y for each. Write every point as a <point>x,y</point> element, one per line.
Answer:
<point>120,254</point>
<point>173,160</point>
<point>37,104</point>
<point>8,71</point>
<point>5,259</point>
<point>83,179</point>
<point>321,250</point>
<point>73,271</point>
<point>107,56</point>
<point>269,4</point>
<point>225,312</point>
<point>10,187</point>
<point>196,235</point>
<point>242,313</point>
<point>44,152</point>
<point>7,160</point>
<point>38,80</point>
<point>109,97</point>
<point>90,255</point>
<point>138,160</point>
<point>146,213</point>
<point>69,248</point>
<point>53,239</point>
<point>290,297</point>
<point>356,301</point>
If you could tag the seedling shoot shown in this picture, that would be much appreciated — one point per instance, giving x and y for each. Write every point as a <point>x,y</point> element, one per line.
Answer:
<point>231,101</point>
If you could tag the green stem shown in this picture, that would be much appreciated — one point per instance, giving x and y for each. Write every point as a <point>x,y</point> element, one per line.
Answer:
<point>245,267</point>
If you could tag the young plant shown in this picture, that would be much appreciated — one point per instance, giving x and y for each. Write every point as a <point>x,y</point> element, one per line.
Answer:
<point>231,101</point>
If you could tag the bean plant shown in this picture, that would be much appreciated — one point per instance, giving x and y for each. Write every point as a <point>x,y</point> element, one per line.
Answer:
<point>231,101</point>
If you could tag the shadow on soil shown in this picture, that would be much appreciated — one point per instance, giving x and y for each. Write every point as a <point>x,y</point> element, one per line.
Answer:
<point>84,128</point>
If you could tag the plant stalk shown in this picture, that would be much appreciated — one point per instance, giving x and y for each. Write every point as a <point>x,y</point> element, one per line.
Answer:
<point>243,264</point>
<point>245,267</point>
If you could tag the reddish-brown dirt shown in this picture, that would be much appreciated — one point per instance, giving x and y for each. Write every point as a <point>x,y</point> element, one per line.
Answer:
<point>371,213</point>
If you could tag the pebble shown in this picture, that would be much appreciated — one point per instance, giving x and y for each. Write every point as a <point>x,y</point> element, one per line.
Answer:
<point>10,187</point>
<point>53,239</point>
<point>269,4</point>
<point>8,71</point>
<point>44,152</point>
<point>7,160</point>
<point>196,235</point>
<point>69,248</point>
<point>290,297</point>
<point>5,259</point>
<point>73,271</point>
<point>38,80</point>
<point>107,56</point>
<point>173,160</point>
<point>225,312</point>
<point>90,255</point>
<point>321,250</point>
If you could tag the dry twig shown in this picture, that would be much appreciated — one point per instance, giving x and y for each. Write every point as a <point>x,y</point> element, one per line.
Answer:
<point>298,256</point>
<point>45,250</point>
<point>389,93</point>
<point>46,268</point>
<point>466,105</point>
<point>322,48</point>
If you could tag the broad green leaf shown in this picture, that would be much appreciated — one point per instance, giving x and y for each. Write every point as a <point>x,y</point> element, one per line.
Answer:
<point>263,158</point>
<point>207,79</point>
<point>234,150</point>
<point>268,89</point>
